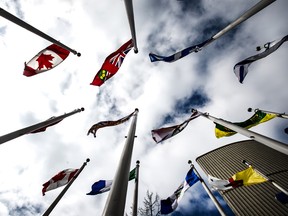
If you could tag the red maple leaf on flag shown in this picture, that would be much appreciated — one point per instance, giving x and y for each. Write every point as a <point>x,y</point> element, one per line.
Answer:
<point>44,60</point>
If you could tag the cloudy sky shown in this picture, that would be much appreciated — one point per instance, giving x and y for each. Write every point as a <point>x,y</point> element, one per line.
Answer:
<point>163,92</point>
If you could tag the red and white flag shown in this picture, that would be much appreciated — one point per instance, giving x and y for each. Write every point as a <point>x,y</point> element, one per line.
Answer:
<point>112,64</point>
<point>62,178</point>
<point>45,60</point>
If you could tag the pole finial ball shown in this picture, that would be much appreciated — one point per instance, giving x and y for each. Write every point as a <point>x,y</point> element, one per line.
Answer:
<point>249,109</point>
<point>82,109</point>
<point>137,162</point>
<point>189,161</point>
<point>78,54</point>
<point>87,160</point>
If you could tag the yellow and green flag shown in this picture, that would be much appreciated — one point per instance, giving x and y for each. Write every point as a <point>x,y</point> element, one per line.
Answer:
<point>257,118</point>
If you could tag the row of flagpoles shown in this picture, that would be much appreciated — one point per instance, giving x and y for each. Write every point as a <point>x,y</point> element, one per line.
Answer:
<point>115,203</point>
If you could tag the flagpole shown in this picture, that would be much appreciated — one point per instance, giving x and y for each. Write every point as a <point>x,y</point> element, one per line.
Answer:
<point>35,127</point>
<point>281,115</point>
<point>249,13</point>
<point>270,180</point>
<point>115,204</point>
<point>32,29</point>
<point>52,206</point>
<point>215,201</point>
<point>279,146</point>
<point>135,200</point>
<point>130,15</point>
<point>253,10</point>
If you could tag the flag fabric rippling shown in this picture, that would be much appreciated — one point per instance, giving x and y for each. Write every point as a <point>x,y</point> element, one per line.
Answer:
<point>102,186</point>
<point>162,134</point>
<point>61,179</point>
<point>246,177</point>
<point>112,64</point>
<point>176,56</point>
<point>257,118</point>
<point>102,124</point>
<point>170,204</point>
<point>45,60</point>
<point>241,68</point>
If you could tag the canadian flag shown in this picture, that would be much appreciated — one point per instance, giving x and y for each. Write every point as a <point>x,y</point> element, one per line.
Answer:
<point>59,180</point>
<point>45,60</point>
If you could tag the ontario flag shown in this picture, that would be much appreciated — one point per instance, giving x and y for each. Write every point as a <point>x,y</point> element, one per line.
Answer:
<point>112,64</point>
<point>45,60</point>
<point>60,179</point>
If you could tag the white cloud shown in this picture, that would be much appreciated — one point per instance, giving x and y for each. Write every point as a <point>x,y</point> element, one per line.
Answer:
<point>95,29</point>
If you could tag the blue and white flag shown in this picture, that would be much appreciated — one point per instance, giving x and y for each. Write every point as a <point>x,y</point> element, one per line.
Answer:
<point>195,48</point>
<point>100,186</point>
<point>170,204</point>
<point>241,68</point>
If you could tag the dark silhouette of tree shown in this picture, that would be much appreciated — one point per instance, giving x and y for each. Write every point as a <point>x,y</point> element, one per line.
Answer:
<point>151,205</point>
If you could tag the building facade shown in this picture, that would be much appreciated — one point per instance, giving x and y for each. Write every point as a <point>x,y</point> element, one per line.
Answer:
<point>258,199</point>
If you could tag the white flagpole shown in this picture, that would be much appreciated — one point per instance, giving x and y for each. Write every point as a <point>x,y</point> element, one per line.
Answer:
<point>32,29</point>
<point>273,182</point>
<point>52,206</point>
<point>115,204</point>
<point>253,10</point>
<point>135,200</point>
<point>281,115</point>
<point>214,200</point>
<point>130,15</point>
<point>279,146</point>
<point>35,127</point>
<point>249,13</point>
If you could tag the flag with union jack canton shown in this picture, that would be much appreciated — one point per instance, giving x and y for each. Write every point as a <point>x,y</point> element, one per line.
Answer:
<point>112,64</point>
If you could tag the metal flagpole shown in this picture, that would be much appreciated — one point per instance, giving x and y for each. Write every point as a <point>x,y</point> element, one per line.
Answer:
<point>36,127</point>
<point>130,15</point>
<point>25,25</point>
<point>270,180</point>
<point>215,201</point>
<point>281,115</point>
<point>249,13</point>
<point>135,200</point>
<point>52,206</point>
<point>279,146</point>
<point>115,204</point>
<point>253,10</point>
